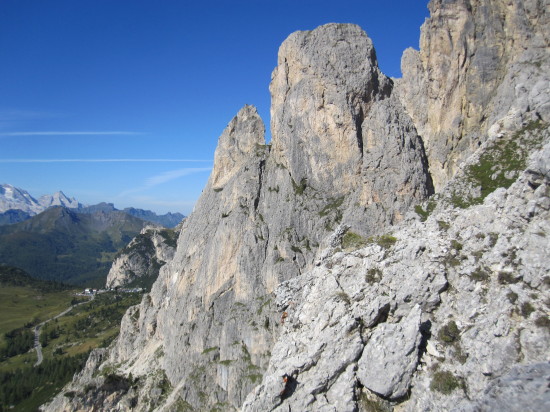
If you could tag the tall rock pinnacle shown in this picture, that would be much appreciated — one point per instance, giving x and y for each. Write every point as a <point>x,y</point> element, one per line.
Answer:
<point>322,89</point>
<point>344,154</point>
<point>242,136</point>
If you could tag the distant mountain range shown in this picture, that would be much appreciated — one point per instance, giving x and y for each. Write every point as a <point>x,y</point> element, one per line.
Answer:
<point>17,205</point>
<point>63,245</point>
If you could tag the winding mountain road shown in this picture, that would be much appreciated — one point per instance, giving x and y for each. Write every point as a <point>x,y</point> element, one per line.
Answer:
<point>38,329</point>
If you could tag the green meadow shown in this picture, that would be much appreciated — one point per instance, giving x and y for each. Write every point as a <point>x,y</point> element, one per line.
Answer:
<point>66,341</point>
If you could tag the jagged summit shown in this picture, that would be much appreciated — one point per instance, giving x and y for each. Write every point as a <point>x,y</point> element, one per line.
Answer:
<point>59,199</point>
<point>324,85</point>
<point>14,198</point>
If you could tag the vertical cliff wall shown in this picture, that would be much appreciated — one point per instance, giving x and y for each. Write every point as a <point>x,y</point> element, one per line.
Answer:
<point>482,68</point>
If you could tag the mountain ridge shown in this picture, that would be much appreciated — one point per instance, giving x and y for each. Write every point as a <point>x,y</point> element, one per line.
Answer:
<point>321,272</point>
<point>17,205</point>
<point>60,244</point>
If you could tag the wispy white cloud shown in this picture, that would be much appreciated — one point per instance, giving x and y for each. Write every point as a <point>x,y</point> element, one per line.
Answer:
<point>103,160</point>
<point>108,133</point>
<point>164,178</point>
<point>173,174</point>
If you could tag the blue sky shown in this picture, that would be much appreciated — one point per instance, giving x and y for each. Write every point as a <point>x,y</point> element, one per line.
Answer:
<point>124,100</point>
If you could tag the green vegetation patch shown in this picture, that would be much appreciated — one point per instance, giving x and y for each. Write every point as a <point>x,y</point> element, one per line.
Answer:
<point>371,403</point>
<point>352,241</point>
<point>28,387</point>
<point>170,237</point>
<point>526,309</point>
<point>299,188</point>
<point>479,275</point>
<point>334,204</point>
<point>449,333</point>
<point>443,225</point>
<point>444,382</point>
<point>424,213</point>
<point>254,377</point>
<point>456,245</point>
<point>373,275</point>
<point>66,343</point>
<point>68,247</point>
<point>385,241</point>
<point>499,165</point>
<point>512,297</point>
<point>506,278</point>
<point>543,322</point>
<point>344,297</point>
<point>208,350</point>
<point>25,301</point>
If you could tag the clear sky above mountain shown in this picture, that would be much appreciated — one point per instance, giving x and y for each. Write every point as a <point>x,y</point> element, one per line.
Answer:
<point>124,100</point>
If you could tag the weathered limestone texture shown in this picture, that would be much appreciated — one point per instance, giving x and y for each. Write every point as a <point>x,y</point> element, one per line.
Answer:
<point>443,314</point>
<point>483,67</point>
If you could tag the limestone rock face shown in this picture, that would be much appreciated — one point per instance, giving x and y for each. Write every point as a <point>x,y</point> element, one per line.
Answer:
<point>451,312</point>
<point>483,67</point>
<point>336,124</point>
<point>322,89</point>
<point>265,210</point>
<point>523,388</point>
<point>139,262</point>
<point>390,357</point>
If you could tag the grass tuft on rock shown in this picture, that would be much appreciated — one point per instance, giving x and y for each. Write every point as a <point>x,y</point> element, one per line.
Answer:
<point>445,382</point>
<point>352,241</point>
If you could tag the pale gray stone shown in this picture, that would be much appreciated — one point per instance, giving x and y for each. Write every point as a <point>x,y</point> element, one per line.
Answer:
<point>390,357</point>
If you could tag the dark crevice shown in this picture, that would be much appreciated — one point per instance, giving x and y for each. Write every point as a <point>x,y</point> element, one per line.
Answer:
<point>258,194</point>
<point>358,127</point>
<point>425,335</point>
<point>425,165</point>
